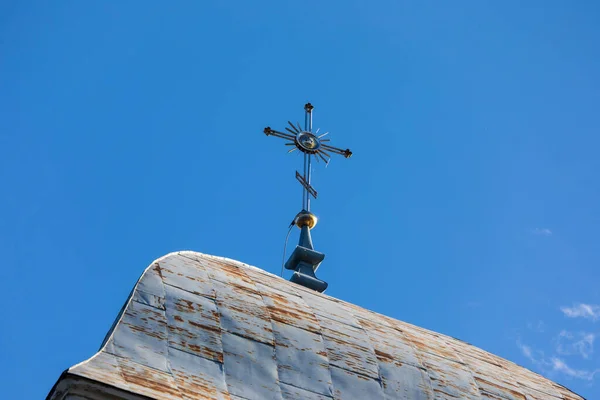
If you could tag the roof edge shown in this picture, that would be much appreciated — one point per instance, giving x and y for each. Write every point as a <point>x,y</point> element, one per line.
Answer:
<point>69,384</point>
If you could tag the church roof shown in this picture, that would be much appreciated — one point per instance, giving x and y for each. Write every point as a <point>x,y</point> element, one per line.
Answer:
<point>204,327</point>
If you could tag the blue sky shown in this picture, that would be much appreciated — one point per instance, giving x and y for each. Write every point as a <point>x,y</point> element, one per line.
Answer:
<point>470,207</point>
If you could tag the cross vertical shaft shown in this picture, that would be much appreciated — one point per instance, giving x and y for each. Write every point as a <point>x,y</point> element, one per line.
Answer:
<point>307,158</point>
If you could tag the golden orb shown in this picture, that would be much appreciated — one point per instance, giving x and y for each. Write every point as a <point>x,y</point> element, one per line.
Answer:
<point>306,218</point>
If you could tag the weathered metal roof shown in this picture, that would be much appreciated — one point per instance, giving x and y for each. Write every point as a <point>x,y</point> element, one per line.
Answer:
<point>203,327</point>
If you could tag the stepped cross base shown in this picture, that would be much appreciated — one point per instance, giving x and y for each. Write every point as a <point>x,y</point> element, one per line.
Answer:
<point>305,260</point>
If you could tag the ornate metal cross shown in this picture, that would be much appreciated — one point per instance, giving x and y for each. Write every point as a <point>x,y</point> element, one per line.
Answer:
<point>305,260</point>
<point>311,145</point>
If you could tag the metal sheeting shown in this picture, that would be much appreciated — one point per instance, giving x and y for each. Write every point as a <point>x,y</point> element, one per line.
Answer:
<point>198,326</point>
<point>193,324</point>
<point>250,368</point>
<point>302,359</point>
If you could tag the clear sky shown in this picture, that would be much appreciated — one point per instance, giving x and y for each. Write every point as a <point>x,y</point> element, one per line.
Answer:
<point>471,206</point>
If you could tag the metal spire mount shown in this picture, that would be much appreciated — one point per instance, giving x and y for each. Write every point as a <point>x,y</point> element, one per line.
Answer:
<point>304,261</point>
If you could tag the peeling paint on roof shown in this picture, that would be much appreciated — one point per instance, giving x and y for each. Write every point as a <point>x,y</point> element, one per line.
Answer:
<point>204,327</point>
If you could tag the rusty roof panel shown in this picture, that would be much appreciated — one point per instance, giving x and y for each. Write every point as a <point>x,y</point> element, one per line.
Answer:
<point>348,385</point>
<point>103,367</point>
<point>199,326</point>
<point>197,377</point>
<point>404,381</point>
<point>270,280</point>
<point>243,313</point>
<point>428,343</point>
<point>328,308</point>
<point>185,274</point>
<point>231,276</point>
<point>478,356</point>
<point>536,395</point>
<point>496,389</point>
<point>301,359</point>
<point>565,393</point>
<point>141,336</point>
<point>150,289</point>
<point>290,392</point>
<point>498,385</point>
<point>149,299</point>
<point>449,378</point>
<point>349,348</point>
<point>250,368</point>
<point>388,349</point>
<point>288,309</point>
<point>147,381</point>
<point>492,378</point>
<point>533,384</point>
<point>127,375</point>
<point>193,324</point>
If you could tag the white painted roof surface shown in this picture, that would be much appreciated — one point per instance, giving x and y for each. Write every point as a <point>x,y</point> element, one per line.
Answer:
<point>204,327</point>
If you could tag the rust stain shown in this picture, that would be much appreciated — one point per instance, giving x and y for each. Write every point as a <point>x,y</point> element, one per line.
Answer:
<point>501,389</point>
<point>148,379</point>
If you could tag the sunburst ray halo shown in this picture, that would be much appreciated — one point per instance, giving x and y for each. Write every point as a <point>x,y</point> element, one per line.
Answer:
<point>307,142</point>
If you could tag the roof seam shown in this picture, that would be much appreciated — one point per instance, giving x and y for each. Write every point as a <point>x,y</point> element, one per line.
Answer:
<point>119,371</point>
<point>355,372</point>
<point>167,334</point>
<point>308,390</point>
<point>468,367</point>
<point>118,359</point>
<point>131,361</point>
<point>338,321</point>
<point>236,334</point>
<point>110,336</point>
<point>372,349</point>
<point>320,333</point>
<point>247,337</point>
<point>187,291</point>
<point>224,375</point>
<point>272,328</point>
<point>417,356</point>
<point>194,354</point>
<point>529,389</point>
